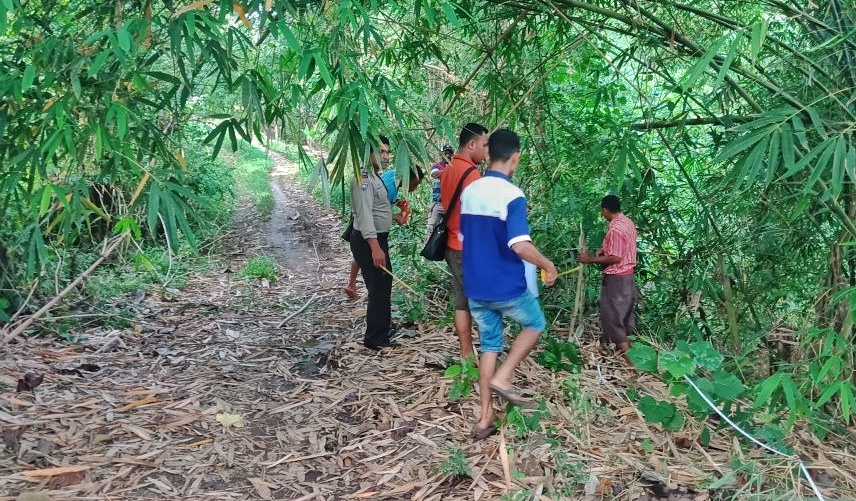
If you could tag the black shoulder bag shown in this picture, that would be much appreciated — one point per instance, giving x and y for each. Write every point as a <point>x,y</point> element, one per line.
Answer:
<point>435,247</point>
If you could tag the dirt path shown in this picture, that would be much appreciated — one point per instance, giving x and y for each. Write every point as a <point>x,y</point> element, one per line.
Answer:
<point>141,413</point>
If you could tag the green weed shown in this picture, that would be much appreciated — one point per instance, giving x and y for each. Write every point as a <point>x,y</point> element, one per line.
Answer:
<point>456,463</point>
<point>522,422</point>
<point>260,267</point>
<point>559,355</point>
<point>463,375</point>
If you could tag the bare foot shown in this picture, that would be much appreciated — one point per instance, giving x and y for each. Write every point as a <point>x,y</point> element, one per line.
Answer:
<point>350,291</point>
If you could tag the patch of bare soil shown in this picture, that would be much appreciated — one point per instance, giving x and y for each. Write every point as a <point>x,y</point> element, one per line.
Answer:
<point>238,390</point>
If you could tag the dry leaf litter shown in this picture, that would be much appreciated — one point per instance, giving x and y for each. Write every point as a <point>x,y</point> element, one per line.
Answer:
<point>235,389</point>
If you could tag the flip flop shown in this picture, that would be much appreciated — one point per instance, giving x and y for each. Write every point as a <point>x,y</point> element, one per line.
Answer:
<point>511,395</point>
<point>482,433</point>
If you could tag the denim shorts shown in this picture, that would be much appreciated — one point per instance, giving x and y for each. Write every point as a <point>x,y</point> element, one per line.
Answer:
<point>488,315</point>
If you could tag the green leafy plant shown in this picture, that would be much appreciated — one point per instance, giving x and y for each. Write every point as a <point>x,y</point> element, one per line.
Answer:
<point>559,355</point>
<point>665,413</point>
<point>463,374</point>
<point>455,463</point>
<point>522,422</point>
<point>260,267</point>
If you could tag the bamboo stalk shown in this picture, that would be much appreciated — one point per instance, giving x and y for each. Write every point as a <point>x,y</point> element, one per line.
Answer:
<point>580,291</point>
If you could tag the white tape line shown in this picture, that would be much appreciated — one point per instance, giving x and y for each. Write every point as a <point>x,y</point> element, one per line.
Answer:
<point>756,441</point>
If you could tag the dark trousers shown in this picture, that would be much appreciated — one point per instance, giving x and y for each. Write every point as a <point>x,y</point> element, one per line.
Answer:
<point>379,284</point>
<point>617,296</point>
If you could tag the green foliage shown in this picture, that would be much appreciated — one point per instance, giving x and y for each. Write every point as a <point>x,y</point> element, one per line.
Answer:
<point>4,309</point>
<point>522,422</point>
<point>559,355</point>
<point>456,463</point>
<point>665,413</point>
<point>644,357</point>
<point>260,267</point>
<point>463,374</point>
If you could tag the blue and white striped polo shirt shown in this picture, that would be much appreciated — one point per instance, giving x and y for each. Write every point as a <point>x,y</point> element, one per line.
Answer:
<point>493,218</point>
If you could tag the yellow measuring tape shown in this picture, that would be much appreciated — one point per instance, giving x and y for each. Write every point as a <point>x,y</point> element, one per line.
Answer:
<point>566,272</point>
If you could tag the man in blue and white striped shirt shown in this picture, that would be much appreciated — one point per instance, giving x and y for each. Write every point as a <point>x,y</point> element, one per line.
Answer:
<point>496,239</point>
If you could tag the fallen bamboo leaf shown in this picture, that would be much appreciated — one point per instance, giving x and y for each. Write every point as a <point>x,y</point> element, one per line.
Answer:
<point>228,420</point>
<point>261,488</point>
<point>144,401</point>
<point>49,472</point>
<point>33,496</point>
<point>196,444</point>
<point>137,430</point>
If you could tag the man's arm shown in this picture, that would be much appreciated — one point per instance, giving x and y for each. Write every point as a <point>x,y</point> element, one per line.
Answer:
<point>601,258</point>
<point>604,256</point>
<point>517,228</point>
<point>528,252</point>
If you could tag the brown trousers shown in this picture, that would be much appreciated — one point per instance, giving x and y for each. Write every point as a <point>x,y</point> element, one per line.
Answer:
<point>617,296</point>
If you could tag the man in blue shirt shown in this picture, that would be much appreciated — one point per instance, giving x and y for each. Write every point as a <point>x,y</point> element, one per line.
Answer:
<point>496,241</point>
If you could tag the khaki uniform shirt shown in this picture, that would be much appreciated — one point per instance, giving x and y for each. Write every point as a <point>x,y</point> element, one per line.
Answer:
<point>370,205</point>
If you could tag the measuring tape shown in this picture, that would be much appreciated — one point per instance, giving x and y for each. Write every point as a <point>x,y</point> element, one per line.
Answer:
<point>566,272</point>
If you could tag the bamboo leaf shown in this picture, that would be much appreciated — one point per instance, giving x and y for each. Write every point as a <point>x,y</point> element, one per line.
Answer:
<point>729,60</point>
<point>759,33</point>
<point>838,167</point>
<point>822,164</point>
<point>323,69</point>
<point>827,395</point>
<point>140,186</point>
<point>800,132</point>
<point>773,157</point>
<point>45,204</point>
<point>290,39</point>
<point>751,165</point>
<point>816,121</point>
<point>847,401</point>
<point>788,153</point>
<point>741,144</point>
<point>690,77</point>
<point>28,77</point>
<point>124,39</point>
<point>806,159</point>
<point>850,163</point>
<point>153,207</point>
<point>449,10</point>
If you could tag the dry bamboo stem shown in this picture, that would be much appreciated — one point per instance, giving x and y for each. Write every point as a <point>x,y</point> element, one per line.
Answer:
<point>50,304</point>
<point>578,298</point>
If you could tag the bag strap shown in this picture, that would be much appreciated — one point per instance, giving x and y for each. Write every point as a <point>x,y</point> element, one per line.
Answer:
<point>457,194</point>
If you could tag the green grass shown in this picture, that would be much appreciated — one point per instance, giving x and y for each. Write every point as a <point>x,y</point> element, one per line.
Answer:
<point>252,170</point>
<point>260,267</point>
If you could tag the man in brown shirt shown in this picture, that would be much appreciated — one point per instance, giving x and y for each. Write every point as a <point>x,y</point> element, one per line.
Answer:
<point>472,150</point>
